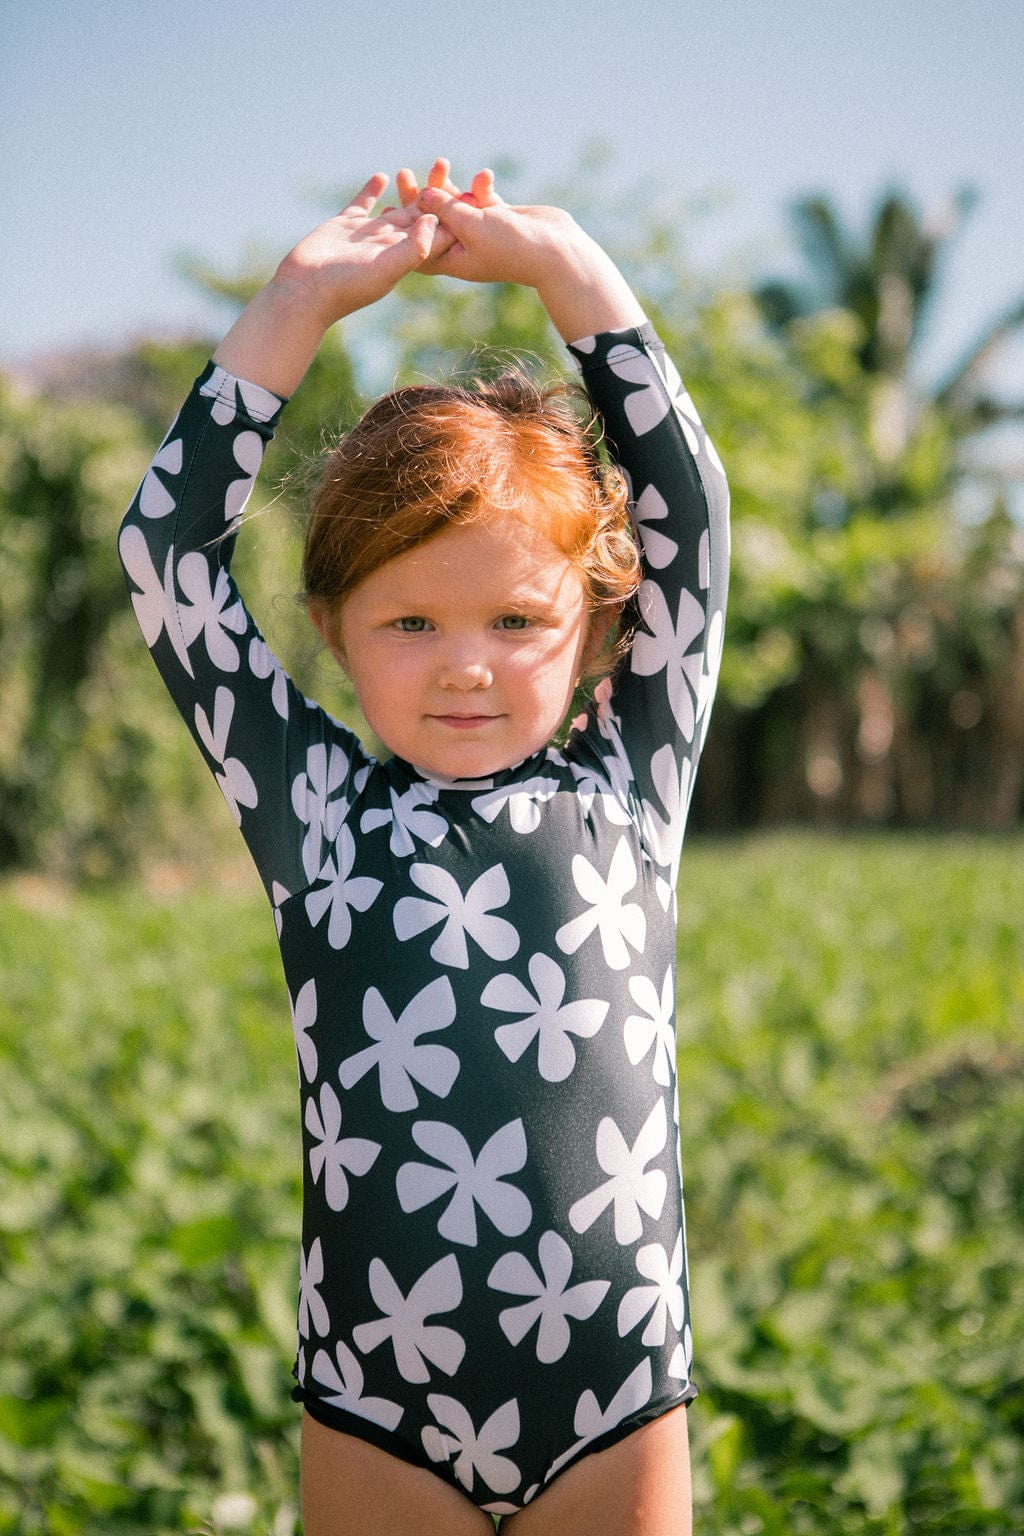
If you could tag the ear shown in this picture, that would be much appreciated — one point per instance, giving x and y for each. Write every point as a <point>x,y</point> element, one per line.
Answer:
<point>602,621</point>
<point>325,620</point>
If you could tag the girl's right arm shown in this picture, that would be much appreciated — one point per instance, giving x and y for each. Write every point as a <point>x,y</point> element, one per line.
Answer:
<point>284,768</point>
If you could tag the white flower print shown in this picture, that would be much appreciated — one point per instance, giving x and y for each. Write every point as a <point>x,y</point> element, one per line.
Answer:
<point>553,1299</point>
<point>616,921</point>
<point>666,648</point>
<point>543,1015</point>
<point>474,1454</point>
<point>155,602</point>
<point>224,390</point>
<point>645,407</point>
<point>591,1420</point>
<point>312,1308</point>
<point>303,1018</point>
<point>673,782</point>
<point>345,1380</point>
<point>155,500</point>
<point>404,1320</point>
<point>409,818</point>
<point>461,915</point>
<point>234,779</point>
<point>472,1182</point>
<point>631,1188</point>
<point>316,802</point>
<point>279,895</point>
<point>654,1027</point>
<point>210,611</point>
<point>331,1155</point>
<point>398,1057</point>
<point>663,1298</point>
<point>262,664</point>
<point>592,785</point>
<point>343,894</point>
<point>523,800</point>
<point>651,507</point>
<point>682,1357</point>
<point>247,449</point>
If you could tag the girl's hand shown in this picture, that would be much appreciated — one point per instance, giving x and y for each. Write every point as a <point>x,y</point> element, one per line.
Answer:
<point>343,265</point>
<point>354,259</point>
<point>481,194</point>
<point>540,247</point>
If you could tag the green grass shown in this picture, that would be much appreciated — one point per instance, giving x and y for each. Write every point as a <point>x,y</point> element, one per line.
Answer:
<point>852,1095</point>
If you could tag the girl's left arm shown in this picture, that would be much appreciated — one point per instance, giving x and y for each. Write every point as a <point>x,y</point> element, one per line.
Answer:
<point>649,721</point>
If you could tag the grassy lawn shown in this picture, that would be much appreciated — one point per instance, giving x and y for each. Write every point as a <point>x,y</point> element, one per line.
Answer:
<point>852,1103</point>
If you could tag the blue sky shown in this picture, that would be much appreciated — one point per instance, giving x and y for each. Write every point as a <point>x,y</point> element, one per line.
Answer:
<point>133,133</point>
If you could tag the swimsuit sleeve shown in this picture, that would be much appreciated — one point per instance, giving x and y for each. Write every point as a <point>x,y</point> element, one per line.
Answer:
<point>275,757</point>
<point>649,721</point>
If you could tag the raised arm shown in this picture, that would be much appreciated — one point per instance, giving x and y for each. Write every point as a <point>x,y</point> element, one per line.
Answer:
<point>540,247</point>
<point>343,265</point>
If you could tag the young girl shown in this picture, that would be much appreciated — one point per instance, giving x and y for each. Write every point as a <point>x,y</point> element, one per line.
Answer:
<point>478,933</point>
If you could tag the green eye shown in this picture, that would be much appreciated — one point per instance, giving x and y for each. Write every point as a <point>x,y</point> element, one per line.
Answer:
<point>411,624</point>
<point>514,621</point>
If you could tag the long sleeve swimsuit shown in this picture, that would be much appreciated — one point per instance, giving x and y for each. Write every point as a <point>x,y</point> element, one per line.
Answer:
<point>481,973</point>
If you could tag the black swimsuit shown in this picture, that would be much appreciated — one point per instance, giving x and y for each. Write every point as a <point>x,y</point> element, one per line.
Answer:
<point>493,1267</point>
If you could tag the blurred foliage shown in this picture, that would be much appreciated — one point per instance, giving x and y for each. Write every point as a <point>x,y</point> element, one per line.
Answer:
<point>852,1104</point>
<point>874,664</point>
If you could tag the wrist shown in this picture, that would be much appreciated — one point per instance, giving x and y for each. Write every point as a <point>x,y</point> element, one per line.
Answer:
<point>584,292</point>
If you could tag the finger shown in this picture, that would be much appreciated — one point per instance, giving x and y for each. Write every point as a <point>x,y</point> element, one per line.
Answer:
<point>439,175</point>
<point>482,188</point>
<point>406,186</point>
<point>422,235</point>
<point>369,192</point>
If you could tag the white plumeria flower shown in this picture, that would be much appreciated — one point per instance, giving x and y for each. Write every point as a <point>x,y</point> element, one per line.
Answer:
<point>543,1015</point>
<point>262,664</point>
<point>398,1057</point>
<point>225,390</point>
<point>461,915</point>
<point>234,779</point>
<point>404,1322</point>
<point>331,1155</point>
<point>343,894</point>
<point>667,648</point>
<point>591,1420</point>
<point>316,800</point>
<point>474,1454</point>
<point>553,1301</point>
<point>654,1027</point>
<point>523,801</point>
<point>210,611</point>
<point>155,500</point>
<point>651,507</point>
<point>155,603</point>
<point>473,1182</point>
<point>312,1307</point>
<point>617,921</point>
<point>409,818</point>
<point>630,1188</point>
<point>344,1381</point>
<point>663,1298</point>
<point>303,1018</point>
<point>673,782</point>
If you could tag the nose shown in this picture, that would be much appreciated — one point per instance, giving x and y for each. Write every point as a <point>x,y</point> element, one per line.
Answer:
<point>464,668</point>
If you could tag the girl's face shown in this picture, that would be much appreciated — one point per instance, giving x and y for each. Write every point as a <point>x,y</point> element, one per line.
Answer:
<point>464,651</point>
